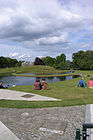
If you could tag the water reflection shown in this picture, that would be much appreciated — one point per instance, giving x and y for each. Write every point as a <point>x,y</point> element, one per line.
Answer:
<point>47,73</point>
<point>50,78</point>
<point>18,80</point>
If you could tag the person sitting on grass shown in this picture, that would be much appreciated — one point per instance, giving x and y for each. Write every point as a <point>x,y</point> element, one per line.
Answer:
<point>37,84</point>
<point>45,85</point>
<point>80,74</point>
<point>90,83</point>
<point>81,83</point>
<point>1,86</point>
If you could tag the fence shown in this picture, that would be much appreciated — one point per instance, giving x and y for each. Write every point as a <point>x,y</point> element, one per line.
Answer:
<point>83,134</point>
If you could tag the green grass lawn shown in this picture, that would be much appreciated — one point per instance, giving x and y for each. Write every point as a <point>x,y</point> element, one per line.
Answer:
<point>65,90</point>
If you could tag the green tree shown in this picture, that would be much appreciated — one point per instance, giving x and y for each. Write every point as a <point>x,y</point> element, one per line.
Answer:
<point>83,60</point>
<point>49,61</point>
<point>60,62</point>
<point>61,66</point>
<point>61,58</point>
<point>8,62</point>
<point>38,61</point>
<point>68,64</point>
<point>2,62</point>
<point>76,58</point>
<point>86,60</point>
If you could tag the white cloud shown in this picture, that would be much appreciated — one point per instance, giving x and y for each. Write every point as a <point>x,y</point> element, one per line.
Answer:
<point>15,54</point>
<point>53,40</point>
<point>44,27</point>
<point>29,21</point>
<point>21,56</point>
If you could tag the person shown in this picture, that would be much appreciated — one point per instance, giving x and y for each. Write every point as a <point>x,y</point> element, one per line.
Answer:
<point>45,85</point>
<point>81,83</point>
<point>13,85</point>
<point>37,85</point>
<point>80,74</point>
<point>90,83</point>
<point>1,86</point>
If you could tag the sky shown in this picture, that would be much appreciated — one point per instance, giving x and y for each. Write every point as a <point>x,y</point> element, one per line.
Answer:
<point>40,28</point>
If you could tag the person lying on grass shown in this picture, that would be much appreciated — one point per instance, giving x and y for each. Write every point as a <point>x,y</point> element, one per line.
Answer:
<point>81,83</point>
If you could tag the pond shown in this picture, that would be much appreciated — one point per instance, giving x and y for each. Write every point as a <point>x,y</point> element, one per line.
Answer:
<point>18,80</point>
<point>48,73</point>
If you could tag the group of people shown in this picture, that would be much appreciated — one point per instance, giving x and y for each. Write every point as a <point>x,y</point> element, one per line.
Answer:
<point>41,85</point>
<point>44,85</point>
<point>82,83</point>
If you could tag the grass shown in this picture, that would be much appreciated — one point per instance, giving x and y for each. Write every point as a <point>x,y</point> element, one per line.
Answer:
<point>60,90</point>
<point>6,71</point>
<point>39,104</point>
<point>29,69</point>
<point>65,90</point>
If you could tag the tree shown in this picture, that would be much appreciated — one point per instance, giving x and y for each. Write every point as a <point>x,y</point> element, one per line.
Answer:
<point>61,58</point>
<point>8,62</point>
<point>60,62</point>
<point>86,60</point>
<point>49,61</point>
<point>68,64</point>
<point>2,62</point>
<point>83,60</point>
<point>76,58</point>
<point>61,66</point>
<point>38,61</point>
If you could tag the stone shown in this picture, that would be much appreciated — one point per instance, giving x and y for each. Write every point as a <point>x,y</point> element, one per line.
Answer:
<point>27,96</point>
<point>24,114</point>
<point>54,126</point>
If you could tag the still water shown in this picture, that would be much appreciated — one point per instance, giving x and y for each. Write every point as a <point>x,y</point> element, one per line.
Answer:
<point>18,80</point>
<point>48,73</point>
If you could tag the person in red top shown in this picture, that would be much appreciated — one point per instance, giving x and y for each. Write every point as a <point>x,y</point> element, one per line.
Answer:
<point>91,83</point>
<point>37,85</point>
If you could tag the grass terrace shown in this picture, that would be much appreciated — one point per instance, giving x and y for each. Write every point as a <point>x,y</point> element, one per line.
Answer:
<point>30,69</point>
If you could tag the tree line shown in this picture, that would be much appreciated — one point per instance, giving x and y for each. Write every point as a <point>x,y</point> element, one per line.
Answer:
<point>83,60</point>
<point>59,62</point>
<point>80,60</point>
<point>9,62</point>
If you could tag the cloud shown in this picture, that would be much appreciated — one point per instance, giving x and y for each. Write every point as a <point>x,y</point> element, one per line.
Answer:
<point>15,54</point>
<point>20,56</point>
<point>53,40</point>
<point>45,27</point>
<point>28,21</point>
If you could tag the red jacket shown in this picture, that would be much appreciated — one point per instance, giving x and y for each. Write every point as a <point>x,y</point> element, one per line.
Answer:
<point>91,83</point>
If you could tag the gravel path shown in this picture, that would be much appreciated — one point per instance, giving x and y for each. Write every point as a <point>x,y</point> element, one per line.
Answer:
<point>45,123</point>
